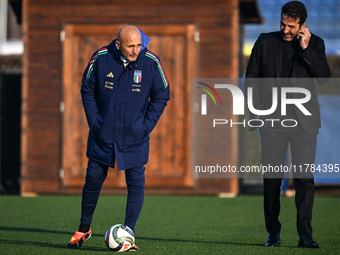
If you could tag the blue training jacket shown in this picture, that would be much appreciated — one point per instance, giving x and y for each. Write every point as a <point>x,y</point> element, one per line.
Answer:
<point>123,105</point>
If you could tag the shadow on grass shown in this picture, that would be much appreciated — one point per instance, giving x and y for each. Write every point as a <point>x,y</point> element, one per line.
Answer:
<point>48,245</point>
<point>63,246</point>
<point>42,244</point>
<point>210,242</point>
<point>39,230</point>
<point>34,230</point>
<point>196,241</point>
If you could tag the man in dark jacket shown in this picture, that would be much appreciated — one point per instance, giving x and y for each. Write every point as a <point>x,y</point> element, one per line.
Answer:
<point>124,92</point>
<point>290,53</point>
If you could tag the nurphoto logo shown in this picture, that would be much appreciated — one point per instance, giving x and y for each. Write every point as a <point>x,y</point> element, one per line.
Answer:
<point>281,98</point>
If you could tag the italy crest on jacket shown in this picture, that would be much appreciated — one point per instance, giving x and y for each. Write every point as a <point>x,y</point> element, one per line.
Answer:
<point>123,105</point>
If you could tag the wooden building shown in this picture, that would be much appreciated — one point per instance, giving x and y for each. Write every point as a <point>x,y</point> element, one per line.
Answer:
<point>198,38</point>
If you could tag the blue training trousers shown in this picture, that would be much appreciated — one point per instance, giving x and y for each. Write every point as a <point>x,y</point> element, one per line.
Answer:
<point>95,177</point>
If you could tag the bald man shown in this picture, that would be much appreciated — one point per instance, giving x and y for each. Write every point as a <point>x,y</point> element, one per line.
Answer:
<point>124,92</point>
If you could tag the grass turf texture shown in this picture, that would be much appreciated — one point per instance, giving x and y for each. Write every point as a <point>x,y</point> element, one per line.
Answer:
<point>167,225</point>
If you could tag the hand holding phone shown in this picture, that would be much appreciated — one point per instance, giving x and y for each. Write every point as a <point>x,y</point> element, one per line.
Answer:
<point>304,37</point>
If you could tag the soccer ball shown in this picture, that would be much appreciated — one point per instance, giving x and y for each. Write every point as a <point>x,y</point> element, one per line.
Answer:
<point>119,238</point>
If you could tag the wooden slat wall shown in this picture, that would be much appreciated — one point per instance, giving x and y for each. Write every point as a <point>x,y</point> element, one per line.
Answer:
<point>42,70</point>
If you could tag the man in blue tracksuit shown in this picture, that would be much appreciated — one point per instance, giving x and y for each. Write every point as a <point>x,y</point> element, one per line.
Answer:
<point>124,92</point>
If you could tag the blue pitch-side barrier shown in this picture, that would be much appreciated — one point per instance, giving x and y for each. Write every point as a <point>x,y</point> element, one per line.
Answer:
<point>328,142</point>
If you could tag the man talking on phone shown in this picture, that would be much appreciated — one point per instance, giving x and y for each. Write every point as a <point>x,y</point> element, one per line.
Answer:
<point>293,52</point>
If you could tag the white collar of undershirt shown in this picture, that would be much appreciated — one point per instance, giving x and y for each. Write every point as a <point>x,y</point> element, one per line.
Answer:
<point>125,61</point>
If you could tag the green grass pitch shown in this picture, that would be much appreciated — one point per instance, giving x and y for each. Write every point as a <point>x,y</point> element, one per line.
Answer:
<point>167,225</point>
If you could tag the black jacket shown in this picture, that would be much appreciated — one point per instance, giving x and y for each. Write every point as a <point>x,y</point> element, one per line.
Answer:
<point>266,61</point>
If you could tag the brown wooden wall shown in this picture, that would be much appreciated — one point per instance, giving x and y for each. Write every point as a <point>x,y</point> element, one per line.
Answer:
<point>43,20</point>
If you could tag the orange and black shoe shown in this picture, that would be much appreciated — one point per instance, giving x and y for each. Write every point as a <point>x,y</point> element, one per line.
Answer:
<point>78,239</point>
<point>134,248</point>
